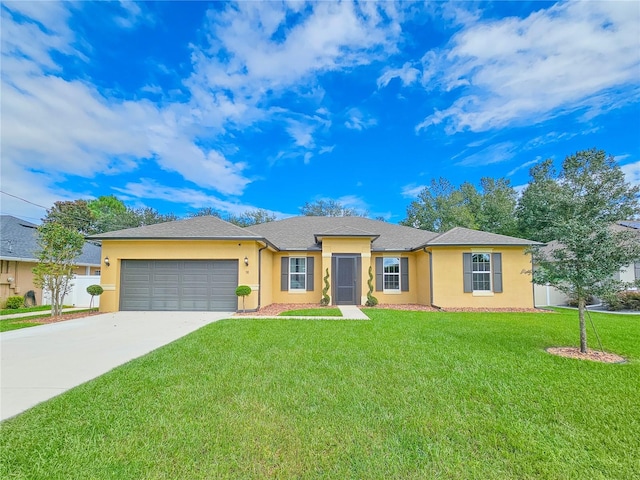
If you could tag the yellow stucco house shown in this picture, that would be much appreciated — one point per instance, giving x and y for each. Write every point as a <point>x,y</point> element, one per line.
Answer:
<point>196,264</point>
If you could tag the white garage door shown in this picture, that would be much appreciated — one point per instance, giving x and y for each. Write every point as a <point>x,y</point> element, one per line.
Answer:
<point>188,285</point>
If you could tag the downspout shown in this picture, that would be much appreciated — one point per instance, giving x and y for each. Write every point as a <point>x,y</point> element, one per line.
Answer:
<point>533,285</point>
<point>424,249</point>
<point>260,274</point>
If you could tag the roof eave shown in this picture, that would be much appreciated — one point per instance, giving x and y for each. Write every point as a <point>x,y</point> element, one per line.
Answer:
<point>257,239</point>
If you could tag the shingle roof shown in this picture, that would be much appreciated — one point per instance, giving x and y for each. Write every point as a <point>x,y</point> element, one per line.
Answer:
<point>206,227</point>
<point>19,240</point>
<point>467,236</point>
<point>299,233</point>
<point>306,233</point>
<point>630,224</point>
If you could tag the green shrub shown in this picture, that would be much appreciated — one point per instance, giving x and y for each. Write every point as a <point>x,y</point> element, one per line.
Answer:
<point>243,291</point>
<point>371,300</point>
<point>625,300</point>
<point>15,302</point>
<point>94,290</point>
<point>573,301</point>
<point>326,299</point>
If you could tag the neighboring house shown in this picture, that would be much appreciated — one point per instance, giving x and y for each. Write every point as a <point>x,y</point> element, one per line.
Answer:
<point>546,295</point>
<point>196,264</point>
<point>18,247</point>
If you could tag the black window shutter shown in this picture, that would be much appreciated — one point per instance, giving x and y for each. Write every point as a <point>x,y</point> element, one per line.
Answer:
<point>379,272</point>
<point>284,274</point>
<point>468,273</point>
<point>404,274</point>
<point>496,267</point>
<point>309,274</point>
<point>636,270</point>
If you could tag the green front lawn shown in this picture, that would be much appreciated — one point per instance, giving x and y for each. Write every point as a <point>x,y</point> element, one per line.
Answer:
<point>406,395</point>
<point>313,312</point>
<point>11,311</point>
<point>16,324</point>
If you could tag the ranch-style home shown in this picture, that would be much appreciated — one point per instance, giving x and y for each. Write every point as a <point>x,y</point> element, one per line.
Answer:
<point>196,264</point>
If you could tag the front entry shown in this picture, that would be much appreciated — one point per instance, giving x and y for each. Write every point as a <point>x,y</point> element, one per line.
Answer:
<point>346,279</point>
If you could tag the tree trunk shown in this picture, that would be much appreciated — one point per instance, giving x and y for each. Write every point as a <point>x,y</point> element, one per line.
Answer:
<point>583,326</point>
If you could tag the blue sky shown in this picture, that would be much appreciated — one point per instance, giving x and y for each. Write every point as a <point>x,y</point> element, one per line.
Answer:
<point>235,106</point>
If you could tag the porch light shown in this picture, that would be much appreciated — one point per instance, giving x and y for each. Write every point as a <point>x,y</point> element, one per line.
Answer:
<point>246,261</point>
<point>106,261</point>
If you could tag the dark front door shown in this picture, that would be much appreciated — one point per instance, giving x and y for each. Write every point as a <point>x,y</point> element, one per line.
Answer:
<point>346,278</point>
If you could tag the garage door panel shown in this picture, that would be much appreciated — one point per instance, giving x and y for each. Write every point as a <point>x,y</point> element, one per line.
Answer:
<point>137,291</point>
<point>163,278</point>
<point>164,304</point>
<point>195,292</point>
<point>195,278</point>
<point>199,285</point>
<point>167,264</point>
<point>137,277</point>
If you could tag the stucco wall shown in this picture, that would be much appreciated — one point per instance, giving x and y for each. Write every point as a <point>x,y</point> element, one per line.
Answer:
<point>346,245</point>
<point>118,250</point>
<point>22,275</point>
<point>414,285</point>
<point>279,296</point>
<point>448,287</point>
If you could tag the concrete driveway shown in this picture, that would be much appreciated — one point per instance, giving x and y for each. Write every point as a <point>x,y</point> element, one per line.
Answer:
<point>39,363</point>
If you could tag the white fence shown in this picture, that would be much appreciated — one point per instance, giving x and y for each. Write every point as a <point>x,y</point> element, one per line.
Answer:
<point>78,297</point>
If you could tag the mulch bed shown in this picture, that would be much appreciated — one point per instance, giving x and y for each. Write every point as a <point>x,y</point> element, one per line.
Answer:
<point>275,309</point>
<point>593,355</point>
<point>56,319</point>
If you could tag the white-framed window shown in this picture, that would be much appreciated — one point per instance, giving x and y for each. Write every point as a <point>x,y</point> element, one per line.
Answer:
<point>391,274</point>
<point>298,273</point>
<point>481,272</point>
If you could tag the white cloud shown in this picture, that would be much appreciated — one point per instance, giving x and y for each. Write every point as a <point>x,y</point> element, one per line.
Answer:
<point>412,190</point>
<point>150,189</point>
<point>571,56</point>
<point>50,123</point>
<point>354,201</point>
<point>357,120</point>
<point>326,149</point>
<point>302,134</point>
<point>524,165</point>
<point>632,172</point>
<point>496,153</point>
<point>407,74</point>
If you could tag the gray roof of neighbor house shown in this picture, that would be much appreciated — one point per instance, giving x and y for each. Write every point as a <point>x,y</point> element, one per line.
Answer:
<point>300,233</point>
<point>467,236</point>
<point>630,224</point>
<point>19,242</point>
<point>206,228</point>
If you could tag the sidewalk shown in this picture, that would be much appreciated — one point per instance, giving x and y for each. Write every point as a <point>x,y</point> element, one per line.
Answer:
<point>40,313</point>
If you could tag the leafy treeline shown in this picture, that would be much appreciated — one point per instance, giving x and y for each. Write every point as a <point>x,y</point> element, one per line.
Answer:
<point>104,214</point>
<point>441,206</point>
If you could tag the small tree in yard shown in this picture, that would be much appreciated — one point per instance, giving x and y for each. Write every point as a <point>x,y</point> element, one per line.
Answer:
<point>94,290</point>
<point>243,291</point>
<point>59,247</point>
<point>588,196</point>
